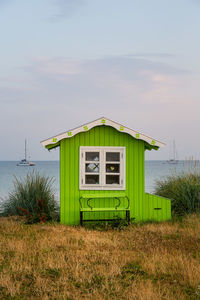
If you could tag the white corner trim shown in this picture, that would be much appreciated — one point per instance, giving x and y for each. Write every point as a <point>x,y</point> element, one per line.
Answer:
<point>101,122</point>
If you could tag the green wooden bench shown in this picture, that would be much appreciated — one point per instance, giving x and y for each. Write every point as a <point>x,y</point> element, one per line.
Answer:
<point>117,196</point>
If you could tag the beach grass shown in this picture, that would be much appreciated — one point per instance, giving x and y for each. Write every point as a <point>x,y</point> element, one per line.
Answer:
<point>183,189</point>
<point>145,261</point>
<point>33,197</point>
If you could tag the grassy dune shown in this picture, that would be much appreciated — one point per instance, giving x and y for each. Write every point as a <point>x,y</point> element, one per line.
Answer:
<point>52,261</point>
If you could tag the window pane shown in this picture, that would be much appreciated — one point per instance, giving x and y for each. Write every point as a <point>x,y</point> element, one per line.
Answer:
<point>90,156</point>
<point>92,168</point>
<point>92,179</point>
<point>112,179</point>
<point>112,156</point>
<point>112,168</point>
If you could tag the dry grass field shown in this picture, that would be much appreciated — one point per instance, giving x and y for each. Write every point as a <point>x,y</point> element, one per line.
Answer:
<point>52,261</point>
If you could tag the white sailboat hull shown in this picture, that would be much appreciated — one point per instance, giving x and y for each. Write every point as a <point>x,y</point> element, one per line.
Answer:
<point>28,164</point>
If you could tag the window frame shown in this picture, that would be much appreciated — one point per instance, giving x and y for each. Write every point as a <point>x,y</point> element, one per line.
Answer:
<point>102,168</point>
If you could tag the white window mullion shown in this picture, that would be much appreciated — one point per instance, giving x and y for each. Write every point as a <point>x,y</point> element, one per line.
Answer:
<point>100,169</point>
<point>103,168</point>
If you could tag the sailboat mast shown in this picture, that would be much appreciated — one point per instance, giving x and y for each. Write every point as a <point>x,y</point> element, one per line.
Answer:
<point>25,149</point>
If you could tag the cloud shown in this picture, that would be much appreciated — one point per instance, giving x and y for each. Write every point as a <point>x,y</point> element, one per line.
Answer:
<point>98,83</point>
<point>55,67</point>
<point>152,55</point>
<point>125,66</point>
<point>66,8</point>
<point>52,94</point>
<point>106,80</point>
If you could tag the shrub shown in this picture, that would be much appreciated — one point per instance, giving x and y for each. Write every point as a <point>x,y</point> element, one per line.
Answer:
<point>32,197</point>
<point>183,190</point>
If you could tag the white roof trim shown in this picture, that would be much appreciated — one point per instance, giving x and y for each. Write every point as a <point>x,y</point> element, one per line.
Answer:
<point>98,122</point>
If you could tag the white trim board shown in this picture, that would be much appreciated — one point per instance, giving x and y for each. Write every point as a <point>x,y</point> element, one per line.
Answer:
<point>100,122</point>
<point>102,174</point>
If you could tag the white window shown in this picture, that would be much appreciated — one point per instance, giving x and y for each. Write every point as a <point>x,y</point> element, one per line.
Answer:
<point>102,168</point>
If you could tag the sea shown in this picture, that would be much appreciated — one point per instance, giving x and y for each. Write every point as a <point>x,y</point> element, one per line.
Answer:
<point>154,170</point>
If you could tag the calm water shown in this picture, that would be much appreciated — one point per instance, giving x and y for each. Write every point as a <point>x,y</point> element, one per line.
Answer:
<point>153,170</point>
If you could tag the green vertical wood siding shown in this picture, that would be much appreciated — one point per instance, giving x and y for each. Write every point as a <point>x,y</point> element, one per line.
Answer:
<point>140,204</point>
<point>159,208</point>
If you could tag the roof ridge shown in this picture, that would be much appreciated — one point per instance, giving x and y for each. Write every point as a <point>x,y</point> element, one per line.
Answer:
<point>98,122</point>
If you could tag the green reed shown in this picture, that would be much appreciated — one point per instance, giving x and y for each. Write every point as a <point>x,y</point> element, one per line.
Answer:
<point>32,197</point>
<point>182,188</point>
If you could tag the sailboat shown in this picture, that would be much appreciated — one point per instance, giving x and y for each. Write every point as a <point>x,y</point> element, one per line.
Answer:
<point>24,162</point>
<point>174,159</point>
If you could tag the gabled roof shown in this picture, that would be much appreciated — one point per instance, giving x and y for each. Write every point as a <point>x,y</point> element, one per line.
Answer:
<point>54,141</point>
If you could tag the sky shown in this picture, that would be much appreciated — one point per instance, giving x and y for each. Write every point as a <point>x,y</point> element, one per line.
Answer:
<point>64,63</point>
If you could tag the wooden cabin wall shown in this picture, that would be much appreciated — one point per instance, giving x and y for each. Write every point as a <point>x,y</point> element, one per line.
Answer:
<point>69,173</point>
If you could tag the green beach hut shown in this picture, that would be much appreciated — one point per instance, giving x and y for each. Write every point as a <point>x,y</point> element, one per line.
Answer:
<point>102,174</point>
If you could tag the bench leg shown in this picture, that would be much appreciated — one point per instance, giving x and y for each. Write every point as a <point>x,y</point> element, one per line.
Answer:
<point>128,216</point>
<point>81,218</point>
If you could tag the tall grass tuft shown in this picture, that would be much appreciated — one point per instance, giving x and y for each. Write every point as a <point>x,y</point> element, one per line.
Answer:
<point>32,197</point>
<point>183,190</point>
